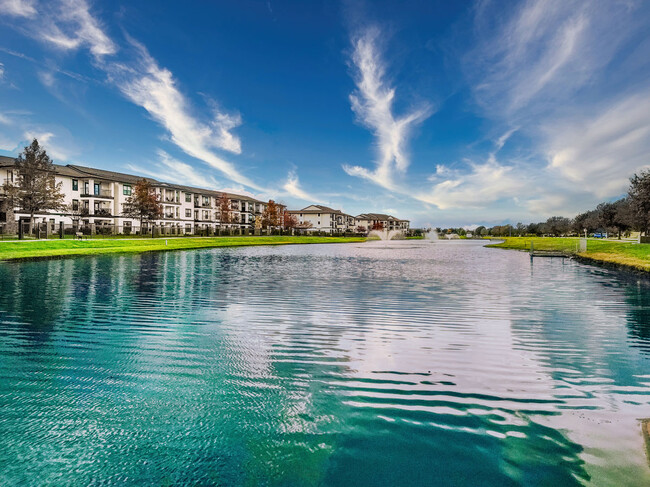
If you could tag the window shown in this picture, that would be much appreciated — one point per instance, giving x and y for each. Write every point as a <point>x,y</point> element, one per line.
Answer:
<point>86,188</point>
<point>96,189</point>
<point>206,215</point>
<point>126,190</point>
<point>188,228</point>
<point>75,205</point>
<point>188,197</point>
<point>206,201</point>
<point>188,213</point>
<point>75,185</point>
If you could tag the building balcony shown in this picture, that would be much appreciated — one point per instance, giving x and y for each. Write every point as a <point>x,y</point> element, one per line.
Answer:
<point>102,193</point>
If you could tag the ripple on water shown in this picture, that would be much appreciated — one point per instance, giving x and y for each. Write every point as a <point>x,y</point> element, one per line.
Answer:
<point>381,364</point>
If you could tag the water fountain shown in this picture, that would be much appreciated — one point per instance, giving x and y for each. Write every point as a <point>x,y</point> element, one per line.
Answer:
<point>431,235</point>
<point>387,234</point>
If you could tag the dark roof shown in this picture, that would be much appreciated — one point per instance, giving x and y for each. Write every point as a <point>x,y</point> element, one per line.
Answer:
<point>378,216</point>
<point>76,171</point>
<point>321,209</point>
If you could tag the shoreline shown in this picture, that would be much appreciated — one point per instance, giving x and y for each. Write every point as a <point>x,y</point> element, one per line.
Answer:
<point>615,255</point>
<point>62,249</point>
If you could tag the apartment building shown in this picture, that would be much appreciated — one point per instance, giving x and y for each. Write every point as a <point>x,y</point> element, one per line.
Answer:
<point>388,222</point>
<point>96,196</point>
<point>324,219</point>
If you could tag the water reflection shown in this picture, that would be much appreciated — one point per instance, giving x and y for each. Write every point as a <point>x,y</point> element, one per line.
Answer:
<point>338,365</point>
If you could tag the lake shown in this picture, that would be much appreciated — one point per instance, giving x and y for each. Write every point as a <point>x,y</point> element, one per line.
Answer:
<point>382,363</point>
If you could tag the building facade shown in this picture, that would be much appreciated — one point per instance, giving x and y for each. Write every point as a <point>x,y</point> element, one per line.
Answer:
<point>387,222</point>
<point>324,219</point>
<point>96,197</point>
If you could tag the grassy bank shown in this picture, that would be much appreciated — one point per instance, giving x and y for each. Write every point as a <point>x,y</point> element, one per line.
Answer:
<point>67,248</point>
<point>626,254</point>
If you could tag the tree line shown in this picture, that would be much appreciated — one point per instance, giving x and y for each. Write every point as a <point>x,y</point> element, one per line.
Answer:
<point>631,213</point>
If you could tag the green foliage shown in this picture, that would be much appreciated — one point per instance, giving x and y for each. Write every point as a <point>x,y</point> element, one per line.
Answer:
<point>36,190</point>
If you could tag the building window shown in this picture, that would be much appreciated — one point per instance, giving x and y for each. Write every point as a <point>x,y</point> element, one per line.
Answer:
<point>75,205</point>
<point>96,189</point>
<point>188,213</point>
<point>206,201</point>
<point>86,188</point>
<point>75,185</point>
<point>126,190</point>
<point>188,228</point>
<point>188,197</point>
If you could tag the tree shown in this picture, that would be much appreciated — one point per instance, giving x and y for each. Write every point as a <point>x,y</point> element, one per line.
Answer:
<point>557,225</point>
<point>362,229</point>
<point>144,204</point>
<point>36,189</point>
<point>271,215</point>
<point>639,195</point>
<point>224,209</point>
<point>377,226</point>
<point>289,220</point>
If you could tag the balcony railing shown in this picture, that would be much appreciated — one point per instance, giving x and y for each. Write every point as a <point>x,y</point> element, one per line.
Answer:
<point>102,193</point>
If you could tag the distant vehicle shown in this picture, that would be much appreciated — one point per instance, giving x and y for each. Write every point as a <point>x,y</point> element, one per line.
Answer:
<point>600,235</point>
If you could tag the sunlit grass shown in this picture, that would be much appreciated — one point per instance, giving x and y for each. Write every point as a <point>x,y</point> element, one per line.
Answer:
<point>64,248</point>
<point>623,253</point>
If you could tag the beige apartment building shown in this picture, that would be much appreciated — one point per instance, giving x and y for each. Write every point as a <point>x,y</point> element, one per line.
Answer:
<point>95,196</point>
<point>324,219</point>
<point>388,222</point>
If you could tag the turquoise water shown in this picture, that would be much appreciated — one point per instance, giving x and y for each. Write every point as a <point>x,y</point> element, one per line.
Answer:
<point>400,363</point>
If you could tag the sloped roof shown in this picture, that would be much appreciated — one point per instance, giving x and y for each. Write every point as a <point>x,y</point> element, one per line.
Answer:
<point>76,171</point>
<point>378,216</point>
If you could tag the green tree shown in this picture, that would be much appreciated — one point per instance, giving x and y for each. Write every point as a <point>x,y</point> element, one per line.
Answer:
<point>36,189</point>
<point>639,195</point>
<point>144,204</point>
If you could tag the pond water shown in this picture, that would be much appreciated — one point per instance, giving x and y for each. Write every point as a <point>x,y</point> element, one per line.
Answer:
<point>384,363</point>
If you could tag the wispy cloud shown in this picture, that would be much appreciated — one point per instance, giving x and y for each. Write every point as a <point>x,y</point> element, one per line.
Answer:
<point>482,185</point>
<point>69,25</point>
<point>372,103</point>
<point>292,188</point>
<point>155,89</point>
<point>18,8</point>
<point>601,151</point>
<point>168,168</point>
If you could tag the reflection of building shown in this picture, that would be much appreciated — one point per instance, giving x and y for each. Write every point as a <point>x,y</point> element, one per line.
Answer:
<point>324,219</point>
<point>97,196</point>
<point>387,222</point>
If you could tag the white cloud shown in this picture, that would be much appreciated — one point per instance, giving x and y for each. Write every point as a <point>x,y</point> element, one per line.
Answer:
<point>170,169</point>
<point>292,188</point>
<point>73,26</point>
<point>600,152</point>
<point>482,185</point>
<point>155,89</point>
<point>46,139</point>
<point>373,104</point>
<point>18,8</point>
<point>69,25</point>
<point>538,57</point>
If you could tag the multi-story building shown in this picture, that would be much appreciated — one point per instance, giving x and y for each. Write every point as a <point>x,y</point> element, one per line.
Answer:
<point>387,222</point>
<point>96,196</point>
<point>324,219</point>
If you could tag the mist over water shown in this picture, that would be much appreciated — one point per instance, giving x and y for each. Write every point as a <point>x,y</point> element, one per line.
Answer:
<point>362,364</point>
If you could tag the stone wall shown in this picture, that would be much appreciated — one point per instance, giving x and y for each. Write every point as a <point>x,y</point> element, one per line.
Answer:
<point>8,223</point>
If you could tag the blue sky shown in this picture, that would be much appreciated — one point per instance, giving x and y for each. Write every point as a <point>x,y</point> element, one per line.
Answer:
<point>446,113</point>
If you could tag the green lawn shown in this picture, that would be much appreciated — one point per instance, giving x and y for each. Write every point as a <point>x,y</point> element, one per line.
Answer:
<point>623,253</point>
<point>65,248</point>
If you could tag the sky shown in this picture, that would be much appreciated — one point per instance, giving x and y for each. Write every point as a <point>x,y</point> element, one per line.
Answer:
<point>444,113</point>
